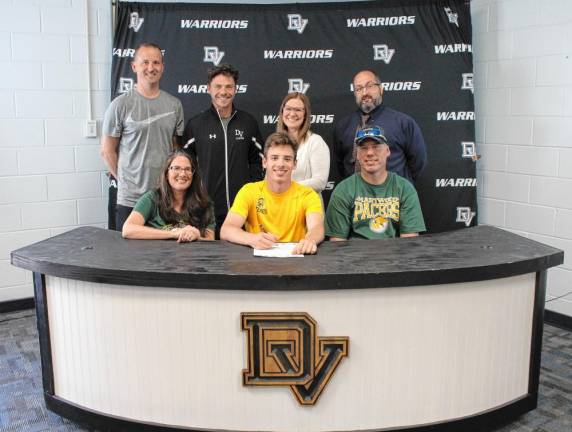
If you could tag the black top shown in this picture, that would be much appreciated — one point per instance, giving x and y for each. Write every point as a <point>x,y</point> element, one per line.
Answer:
<point>471,254</point>
<point>227,159</point>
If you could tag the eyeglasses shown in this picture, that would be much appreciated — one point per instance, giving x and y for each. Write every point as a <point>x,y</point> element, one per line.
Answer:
<point>293,109</point>
<point>370,132</point>
<point>368,86</point>
<point>177,169</point>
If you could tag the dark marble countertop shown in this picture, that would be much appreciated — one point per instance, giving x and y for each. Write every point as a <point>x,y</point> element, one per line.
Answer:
<point>466,255</point>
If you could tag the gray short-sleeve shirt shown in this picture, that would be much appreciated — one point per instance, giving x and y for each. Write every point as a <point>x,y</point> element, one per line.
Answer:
<point>146,128</point>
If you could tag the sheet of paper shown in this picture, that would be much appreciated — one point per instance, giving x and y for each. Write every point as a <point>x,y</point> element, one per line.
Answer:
<point>279,250</point>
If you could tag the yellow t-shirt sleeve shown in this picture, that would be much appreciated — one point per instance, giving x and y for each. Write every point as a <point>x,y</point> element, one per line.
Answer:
<point>314,203</point>
<point>242,201</point>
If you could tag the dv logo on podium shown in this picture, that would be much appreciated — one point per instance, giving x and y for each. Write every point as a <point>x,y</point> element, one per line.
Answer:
<point>284,350</point>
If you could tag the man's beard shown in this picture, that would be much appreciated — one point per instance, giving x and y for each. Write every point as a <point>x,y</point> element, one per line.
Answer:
<point>369,105</point>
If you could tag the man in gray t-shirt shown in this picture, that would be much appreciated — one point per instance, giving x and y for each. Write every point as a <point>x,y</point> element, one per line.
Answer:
<point>140,129</point>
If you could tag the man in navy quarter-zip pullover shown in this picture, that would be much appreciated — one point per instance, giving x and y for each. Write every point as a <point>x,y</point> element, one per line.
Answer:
<point>225,141</point>
<point>408,150</point>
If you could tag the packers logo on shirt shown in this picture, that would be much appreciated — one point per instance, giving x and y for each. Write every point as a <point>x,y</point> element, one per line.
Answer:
<point>378,225</point>
<point>260,206</point>
<point>378,210</point>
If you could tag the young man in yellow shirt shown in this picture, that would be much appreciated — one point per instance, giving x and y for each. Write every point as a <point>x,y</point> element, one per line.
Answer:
<point>276,209</point>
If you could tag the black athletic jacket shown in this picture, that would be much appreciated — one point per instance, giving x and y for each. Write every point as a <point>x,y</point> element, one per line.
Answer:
<point>227,160</point>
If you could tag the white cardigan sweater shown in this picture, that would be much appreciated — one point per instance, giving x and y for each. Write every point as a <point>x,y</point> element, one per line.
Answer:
<point>313,163</point>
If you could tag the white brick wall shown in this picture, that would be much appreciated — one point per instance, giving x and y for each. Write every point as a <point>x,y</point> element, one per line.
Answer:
<point>8,162</point>
<point>10,219</point>
<point>563,224</point>
<point>553,131</point>
<point>74,186</point>
<point>12,133</point>
<point>49,214</point>
<point>39,47</point>
<point>523,96</point>
<point>565,163</point>
<point>87,159</point>
<point>92,211</point>
<point>503,129</point>
<point>7,104</point>
<point>15,19</point>
<point>46,160</point>
<point>505,186</point>
<point>23,75</point>
<point>50,175</point>
<point>15,189</point>
<point>4,46</point>
<point>14,240</point>
<point>66,132</point>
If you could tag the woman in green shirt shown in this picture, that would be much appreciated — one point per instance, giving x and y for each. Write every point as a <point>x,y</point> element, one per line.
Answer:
<point>179,208</point>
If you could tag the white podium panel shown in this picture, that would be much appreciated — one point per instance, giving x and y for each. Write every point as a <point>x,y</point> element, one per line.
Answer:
<point>174,356</point>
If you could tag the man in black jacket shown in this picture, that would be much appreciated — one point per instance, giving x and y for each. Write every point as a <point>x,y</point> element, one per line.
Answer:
<point>225,141</point>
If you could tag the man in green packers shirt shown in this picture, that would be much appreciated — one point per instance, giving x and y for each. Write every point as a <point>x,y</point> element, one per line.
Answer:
<point>373,203</point>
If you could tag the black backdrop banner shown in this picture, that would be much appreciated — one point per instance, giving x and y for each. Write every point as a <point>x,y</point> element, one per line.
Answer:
<point>421,49</point>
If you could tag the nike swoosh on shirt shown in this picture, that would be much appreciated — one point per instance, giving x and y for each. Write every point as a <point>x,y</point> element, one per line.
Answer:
<point>149,120</point>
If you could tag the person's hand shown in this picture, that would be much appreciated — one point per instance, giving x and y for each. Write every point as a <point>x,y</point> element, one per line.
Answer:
<point>306,247</point>
<point>262,240</point>
<point>187,234</point>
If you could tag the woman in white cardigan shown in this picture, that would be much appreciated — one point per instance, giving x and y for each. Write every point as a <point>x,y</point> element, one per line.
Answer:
<point>313,157</point>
